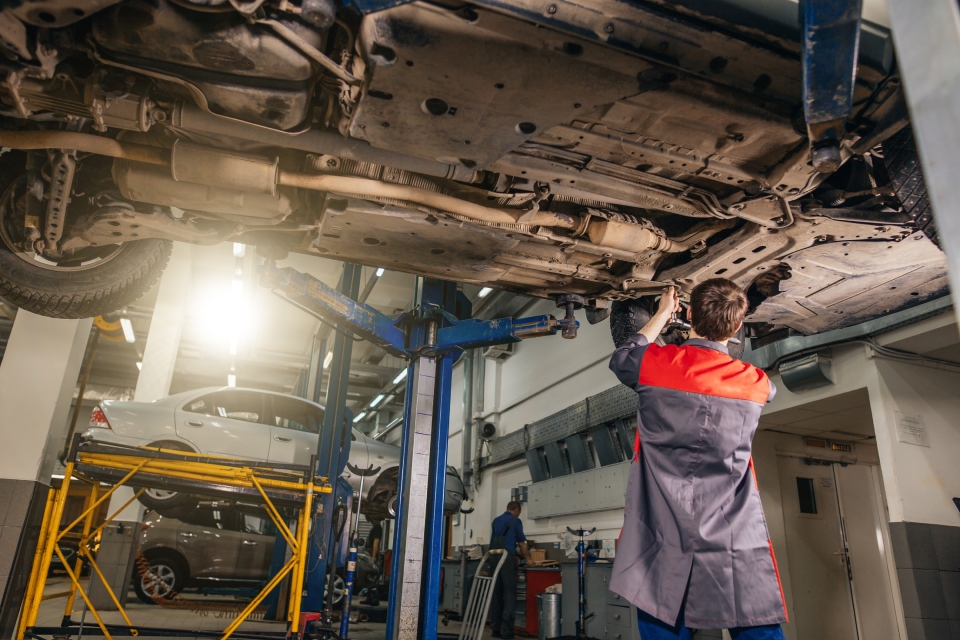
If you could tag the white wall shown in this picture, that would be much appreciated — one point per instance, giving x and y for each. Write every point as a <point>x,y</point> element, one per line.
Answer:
<point>543,376</point>
<point>37,380</point>
<point>919,482</point>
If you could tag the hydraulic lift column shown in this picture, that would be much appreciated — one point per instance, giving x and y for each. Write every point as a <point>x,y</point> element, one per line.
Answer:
<point>421,486</point>
<point>432,336</point>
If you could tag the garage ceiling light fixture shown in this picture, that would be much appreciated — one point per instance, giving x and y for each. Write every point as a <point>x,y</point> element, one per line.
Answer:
<point>483,292</point>
<point>231,380</point>
<point>327,359</point>
<point>140,366</point>
<point>239,249</point>
<point>361,416</point>
<point>400,376</point>
<point>128,333</point>
<point>380,271</point>
<point>376,401</point>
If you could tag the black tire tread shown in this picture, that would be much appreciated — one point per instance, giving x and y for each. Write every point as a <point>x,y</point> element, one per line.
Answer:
<point>906,177</point>
<point>626,318</point>
<point>94,301</point>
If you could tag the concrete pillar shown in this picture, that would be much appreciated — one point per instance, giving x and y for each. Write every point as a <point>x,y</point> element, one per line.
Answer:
<point>915,411</point>
<point>117,549</point>
<point>38,376</point>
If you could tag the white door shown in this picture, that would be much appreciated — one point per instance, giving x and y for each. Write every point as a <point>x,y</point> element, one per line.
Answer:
<point>822,597</point>
<point>228,422</point>
<point>294,428</point>
<point>866,527</point>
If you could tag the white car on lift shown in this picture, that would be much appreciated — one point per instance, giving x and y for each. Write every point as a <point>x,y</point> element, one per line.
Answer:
<point>251,424</point>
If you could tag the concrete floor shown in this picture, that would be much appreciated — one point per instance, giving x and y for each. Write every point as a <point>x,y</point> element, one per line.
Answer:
<point>51,614</point>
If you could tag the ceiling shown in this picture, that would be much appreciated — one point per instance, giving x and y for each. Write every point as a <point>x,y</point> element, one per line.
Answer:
<point>842,417</point>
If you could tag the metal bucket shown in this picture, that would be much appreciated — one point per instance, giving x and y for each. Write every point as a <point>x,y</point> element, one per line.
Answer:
<point>548,616</point>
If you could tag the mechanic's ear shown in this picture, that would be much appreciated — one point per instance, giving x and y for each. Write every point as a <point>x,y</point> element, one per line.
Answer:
<point>689,314</point>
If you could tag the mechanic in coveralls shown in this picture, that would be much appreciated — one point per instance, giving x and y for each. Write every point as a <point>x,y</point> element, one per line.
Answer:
<point>694,552</point>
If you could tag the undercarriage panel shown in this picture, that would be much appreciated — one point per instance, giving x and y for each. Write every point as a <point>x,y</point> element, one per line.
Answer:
<point>844,283</point>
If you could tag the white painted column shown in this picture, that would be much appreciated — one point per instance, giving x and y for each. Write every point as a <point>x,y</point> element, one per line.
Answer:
<point>38,376</point>
<point>160,352</point>
<point>156,374</point>
<point>163,340</point>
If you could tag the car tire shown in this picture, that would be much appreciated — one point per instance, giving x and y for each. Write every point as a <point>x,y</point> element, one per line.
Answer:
<point>627,317</point>
<point>339,590</point>
<point>72,292</point>
<point>735,349</point>
<point>163,580</point>
<point>902,162</point>
<point>169,504</point>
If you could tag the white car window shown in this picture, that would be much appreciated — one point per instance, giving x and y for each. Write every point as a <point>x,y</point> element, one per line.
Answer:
<point>236,405</point>
<point>291,413</point>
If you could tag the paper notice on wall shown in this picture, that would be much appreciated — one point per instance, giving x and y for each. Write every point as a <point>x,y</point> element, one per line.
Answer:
<point>911,429</point>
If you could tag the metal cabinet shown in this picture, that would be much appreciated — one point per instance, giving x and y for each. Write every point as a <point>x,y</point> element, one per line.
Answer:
<point>599,600</point>
<point>613,617</point>
<point>456,586</point>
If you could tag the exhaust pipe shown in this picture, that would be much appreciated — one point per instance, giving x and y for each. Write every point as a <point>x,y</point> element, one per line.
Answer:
<point>244,172</point>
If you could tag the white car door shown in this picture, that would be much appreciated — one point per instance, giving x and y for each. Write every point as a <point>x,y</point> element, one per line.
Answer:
<point>294,428</point>
<point>228,422</point>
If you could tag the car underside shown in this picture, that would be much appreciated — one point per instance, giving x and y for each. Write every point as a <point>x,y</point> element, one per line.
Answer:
<point>602,152</point>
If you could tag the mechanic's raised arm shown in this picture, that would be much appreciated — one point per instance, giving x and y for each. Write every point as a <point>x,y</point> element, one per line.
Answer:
<point>625,362</point>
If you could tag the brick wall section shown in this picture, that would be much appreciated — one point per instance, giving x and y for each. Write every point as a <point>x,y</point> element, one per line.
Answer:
<point>928,569</point>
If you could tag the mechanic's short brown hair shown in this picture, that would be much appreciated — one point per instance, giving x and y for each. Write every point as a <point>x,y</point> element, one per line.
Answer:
<point>513,505</point>
<point>717,309</point>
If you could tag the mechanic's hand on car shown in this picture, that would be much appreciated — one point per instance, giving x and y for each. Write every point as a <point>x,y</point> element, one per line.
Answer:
<point>669,304</point>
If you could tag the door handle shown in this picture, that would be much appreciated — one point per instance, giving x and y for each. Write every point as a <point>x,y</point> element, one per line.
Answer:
<point>282,438</point>
<point>188,535</point>
<point>251,543</point>
<point>194,423</point>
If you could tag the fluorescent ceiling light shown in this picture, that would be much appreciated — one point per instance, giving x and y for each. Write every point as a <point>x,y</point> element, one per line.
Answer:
<point>376,401</point>
<point>483,292</point>
<point>328,359</point>
<point>363,414</point>
<point>140,366</point>
<point>380,272</point>
<point>128,333</point>
<point>400,376</point>
<point>239,249</point>
<point>231,380</point>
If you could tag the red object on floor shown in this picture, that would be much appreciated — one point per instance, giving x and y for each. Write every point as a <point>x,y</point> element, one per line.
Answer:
<point>387,562</point>
<point>537,582</point>
<point>305,619</point>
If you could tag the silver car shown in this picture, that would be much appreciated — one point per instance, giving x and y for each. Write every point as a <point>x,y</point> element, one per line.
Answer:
<point>215,546</point>
<point>251,424</point>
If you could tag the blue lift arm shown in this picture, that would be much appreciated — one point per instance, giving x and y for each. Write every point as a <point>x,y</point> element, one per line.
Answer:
<point>329,305</point>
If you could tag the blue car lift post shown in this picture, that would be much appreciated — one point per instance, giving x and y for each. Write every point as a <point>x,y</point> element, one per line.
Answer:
<point>431,338</point>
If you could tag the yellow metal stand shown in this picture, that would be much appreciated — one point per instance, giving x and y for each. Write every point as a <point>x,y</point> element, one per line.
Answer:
<point>145,470</point>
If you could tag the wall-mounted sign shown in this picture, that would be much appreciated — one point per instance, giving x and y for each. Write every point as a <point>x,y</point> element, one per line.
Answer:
<point>911,429</point>
<point>840,446</point>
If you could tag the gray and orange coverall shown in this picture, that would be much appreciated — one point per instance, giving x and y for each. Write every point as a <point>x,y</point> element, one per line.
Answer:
<point>693,523</point>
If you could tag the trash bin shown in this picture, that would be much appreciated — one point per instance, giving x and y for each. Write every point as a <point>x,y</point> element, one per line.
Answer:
<point>548,613</point>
